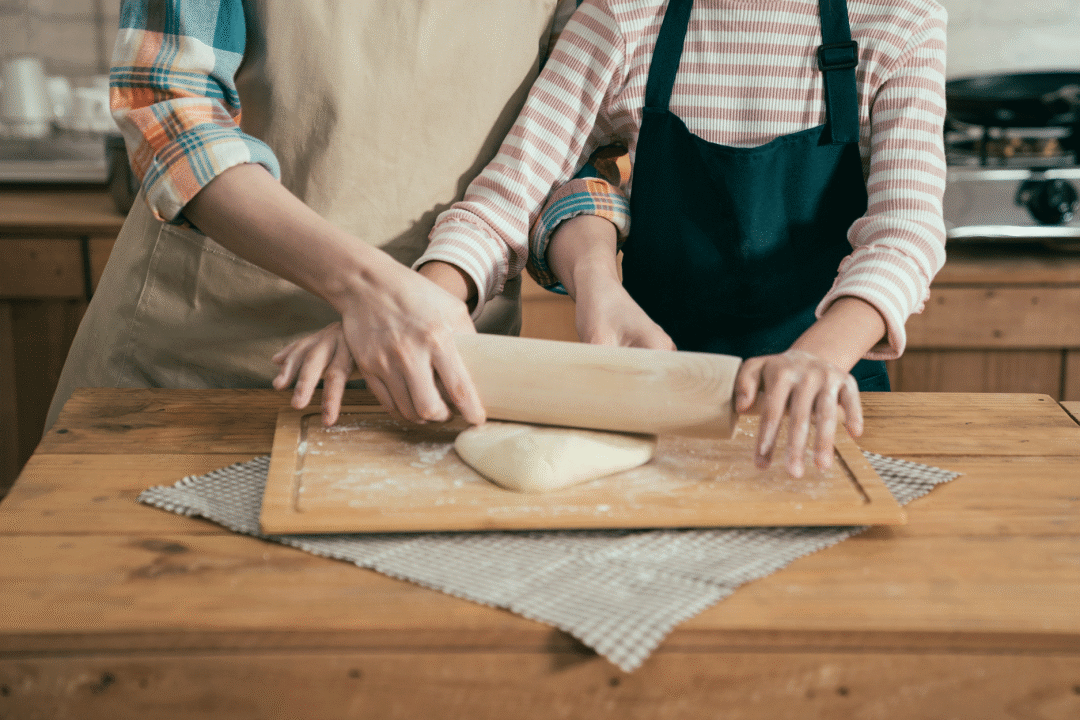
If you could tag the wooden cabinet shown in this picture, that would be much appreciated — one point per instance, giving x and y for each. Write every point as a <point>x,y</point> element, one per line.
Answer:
<point>1001,318</point>
<point>53,247</point>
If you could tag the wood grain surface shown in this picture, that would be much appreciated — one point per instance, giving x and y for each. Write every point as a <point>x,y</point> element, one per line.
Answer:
<point>111,609</point>
<point>369,473</point>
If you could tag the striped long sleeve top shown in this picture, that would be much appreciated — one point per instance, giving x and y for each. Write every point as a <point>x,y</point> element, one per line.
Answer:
<point>748,75</point>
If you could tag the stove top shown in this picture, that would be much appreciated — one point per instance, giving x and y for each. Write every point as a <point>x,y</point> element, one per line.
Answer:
<point>1012,184</point>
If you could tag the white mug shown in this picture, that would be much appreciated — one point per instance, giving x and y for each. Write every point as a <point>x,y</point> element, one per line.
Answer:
<point>61,97</point>
<point>24,101</point>
<point>90,112</point>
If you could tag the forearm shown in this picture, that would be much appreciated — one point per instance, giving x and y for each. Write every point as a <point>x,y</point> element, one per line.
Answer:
<point>844,333</point>
<point>582,254</point>
<point>250,213</point>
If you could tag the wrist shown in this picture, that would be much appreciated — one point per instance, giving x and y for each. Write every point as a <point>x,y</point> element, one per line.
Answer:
<point>581,250</point>
<point>847,330</point>
<point>452,279</point>
<point>594,280</point>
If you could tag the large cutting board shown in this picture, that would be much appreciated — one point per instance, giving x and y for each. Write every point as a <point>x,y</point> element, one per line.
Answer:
<point>369,473</point>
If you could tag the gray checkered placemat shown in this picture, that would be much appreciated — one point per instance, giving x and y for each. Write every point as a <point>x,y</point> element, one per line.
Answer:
<point>619,592</point>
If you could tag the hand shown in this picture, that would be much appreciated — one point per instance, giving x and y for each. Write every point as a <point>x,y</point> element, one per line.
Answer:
<point>810,390</point>
<point>607,315</point>
<point>399,335</point>
<point>322,355</point>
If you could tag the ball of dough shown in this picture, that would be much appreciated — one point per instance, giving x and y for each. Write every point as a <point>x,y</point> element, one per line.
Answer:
<point>540,458</point>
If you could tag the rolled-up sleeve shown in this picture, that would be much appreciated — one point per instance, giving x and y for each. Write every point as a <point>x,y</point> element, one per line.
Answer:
<point>596,190</point>
<point>173,94</point>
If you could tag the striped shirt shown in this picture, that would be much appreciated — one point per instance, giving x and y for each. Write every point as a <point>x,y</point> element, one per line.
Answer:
<point>748,75</point>
<point>174,96</point>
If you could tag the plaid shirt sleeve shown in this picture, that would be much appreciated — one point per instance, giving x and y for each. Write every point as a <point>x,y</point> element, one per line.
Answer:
<point>596,190</point>
<point>174,97</point>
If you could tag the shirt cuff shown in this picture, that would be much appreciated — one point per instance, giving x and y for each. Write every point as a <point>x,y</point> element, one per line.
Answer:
<point>466,247</point>
<point>886,279</point>
<point>185,165</point>
<point>581,196</point>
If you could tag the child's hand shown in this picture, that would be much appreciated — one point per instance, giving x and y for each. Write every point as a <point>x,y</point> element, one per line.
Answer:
<point>607,315</point>
<point>810,390</point>
<point>323,355</point>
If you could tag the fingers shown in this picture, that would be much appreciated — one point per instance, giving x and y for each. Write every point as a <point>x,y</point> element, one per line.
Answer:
<point>778,381</point>
<point>455,379</point>
<point>382,394</point>
<point>825,422</point>
<point>289,359</point>
<point>800,409</point>
<point>410,383</point>
<point>334,379</point>
<point>810,393</point>
<point>747,382</point>
<point>852,405</point>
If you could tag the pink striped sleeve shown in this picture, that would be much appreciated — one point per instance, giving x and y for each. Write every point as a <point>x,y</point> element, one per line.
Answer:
<point>899,245</point>
<point>487,233</point>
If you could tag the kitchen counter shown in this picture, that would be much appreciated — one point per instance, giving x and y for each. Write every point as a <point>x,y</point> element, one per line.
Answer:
<point>112,609</point>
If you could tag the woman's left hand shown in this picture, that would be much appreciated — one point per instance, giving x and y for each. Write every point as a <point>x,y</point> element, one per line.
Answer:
<point>810,390</point>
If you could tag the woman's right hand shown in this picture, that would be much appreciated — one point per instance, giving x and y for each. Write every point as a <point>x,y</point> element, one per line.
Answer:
<point>400,341</point>
<point>399,328</point>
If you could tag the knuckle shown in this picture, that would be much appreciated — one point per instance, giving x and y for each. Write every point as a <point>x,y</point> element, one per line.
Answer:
<point>787,375</point>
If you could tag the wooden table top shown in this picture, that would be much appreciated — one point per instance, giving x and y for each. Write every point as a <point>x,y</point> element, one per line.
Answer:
<point>990,561</point>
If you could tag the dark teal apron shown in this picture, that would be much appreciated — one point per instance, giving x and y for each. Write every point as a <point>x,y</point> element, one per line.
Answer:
<point>731,249</point>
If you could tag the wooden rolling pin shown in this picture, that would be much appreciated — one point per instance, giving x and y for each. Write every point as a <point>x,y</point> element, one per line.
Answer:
<point>630,390</point>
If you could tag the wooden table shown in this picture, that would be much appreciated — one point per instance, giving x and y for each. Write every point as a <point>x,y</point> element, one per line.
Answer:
<point>112,609</point>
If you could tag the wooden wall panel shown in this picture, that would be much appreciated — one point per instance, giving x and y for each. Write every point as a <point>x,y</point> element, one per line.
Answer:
<point>42,331</point>
<point>1021,371</point>
<point>41,268</point>
<point>100,249</point>
<point>1006,317</point>
<point>1070,384</point>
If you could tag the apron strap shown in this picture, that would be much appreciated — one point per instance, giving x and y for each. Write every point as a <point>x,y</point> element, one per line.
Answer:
<point>667,53</point>
<point>838,56</point>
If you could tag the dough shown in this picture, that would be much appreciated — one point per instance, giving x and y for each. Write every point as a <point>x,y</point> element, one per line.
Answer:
<point>539,458</point>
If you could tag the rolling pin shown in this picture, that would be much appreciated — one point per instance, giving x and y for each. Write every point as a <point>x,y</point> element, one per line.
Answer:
<point>633,390</point>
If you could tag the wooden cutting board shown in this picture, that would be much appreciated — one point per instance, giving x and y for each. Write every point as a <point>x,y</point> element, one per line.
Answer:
<point>369,473</point>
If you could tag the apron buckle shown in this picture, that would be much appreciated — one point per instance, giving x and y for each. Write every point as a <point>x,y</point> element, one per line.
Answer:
<point>838,56</point>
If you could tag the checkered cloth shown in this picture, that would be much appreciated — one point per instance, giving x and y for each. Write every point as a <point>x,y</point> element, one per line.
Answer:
<point>619,592</point>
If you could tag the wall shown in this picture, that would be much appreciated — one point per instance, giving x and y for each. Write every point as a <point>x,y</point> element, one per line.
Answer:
<point>75,37</point>
<point>988,36</point>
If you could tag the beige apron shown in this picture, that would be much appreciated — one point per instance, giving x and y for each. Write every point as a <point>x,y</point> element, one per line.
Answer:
<point>380,113</point>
